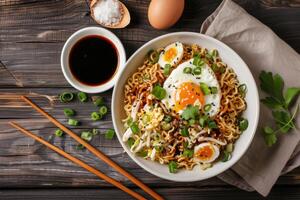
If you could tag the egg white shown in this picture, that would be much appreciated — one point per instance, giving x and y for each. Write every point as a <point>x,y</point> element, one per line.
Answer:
<point>179,47</point>
<point>207,76</point>
<point>214,156</point>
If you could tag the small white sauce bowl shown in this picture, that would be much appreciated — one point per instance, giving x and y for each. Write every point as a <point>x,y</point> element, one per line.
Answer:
<point>72,40</point>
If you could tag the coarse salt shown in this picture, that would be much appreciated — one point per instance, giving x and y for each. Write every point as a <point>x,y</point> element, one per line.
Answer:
<point>108,12</point>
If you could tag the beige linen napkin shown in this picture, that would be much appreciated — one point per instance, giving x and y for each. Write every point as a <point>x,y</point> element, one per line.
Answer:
<point>261,49</point>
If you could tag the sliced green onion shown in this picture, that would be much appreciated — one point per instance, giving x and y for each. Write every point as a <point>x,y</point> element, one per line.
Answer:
<point>166,126</point>
<point>243,124</point>
<point>159,92</point>
<point>215,67</point>
<point>214,90</point>
<point>198,61</point>
<point>242,89</point>
<point>212,124</point>
<point>59,133</point>
<point>205,89</point>
<point>103,110</point>
<point>66,97</point>
<point>82,96</point>
<point>192,122</point>
<point>159,148</point>
<point>172,167</point>
<point>73,122</point>
<point>134,128</point>
<point>187,70</point>
<point>202,120</point>
<point>188,153</point>
<point>98,101</point>
<point>86,135</point>
<point>208,56</point>
<point>167,69</point>
<point>222,69</point>
<point>229,147</point>
<point>130,142</point>
<point>95,131</point>
<point>142,153</point>
<point>197,70</point>
<point>167,118</point>
<point>80,147</point>
<point>129,121</point>
<point>226,156</point>
<point>184,132</point>
<point>214,53</point>
<point>96,116</point>
<point>69,112</point>
<point>207,107</point>
<point>153,56</point>
<point>109,134</point>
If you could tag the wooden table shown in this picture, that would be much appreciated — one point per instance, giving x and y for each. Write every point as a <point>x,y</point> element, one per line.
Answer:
<point>32,34</point>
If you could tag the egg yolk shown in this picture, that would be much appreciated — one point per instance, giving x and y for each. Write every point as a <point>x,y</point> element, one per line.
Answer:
<point>170,54</point>
<point>187,94</point>
<point>205,153</point>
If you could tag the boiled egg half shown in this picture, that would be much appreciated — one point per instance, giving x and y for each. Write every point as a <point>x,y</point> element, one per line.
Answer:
<point>206,152</point>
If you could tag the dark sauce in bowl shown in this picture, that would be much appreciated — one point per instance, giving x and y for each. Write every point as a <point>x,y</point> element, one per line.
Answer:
<point>93,60</point>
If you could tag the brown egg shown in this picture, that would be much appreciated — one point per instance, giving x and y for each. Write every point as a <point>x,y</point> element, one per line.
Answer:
<point>163,14</point>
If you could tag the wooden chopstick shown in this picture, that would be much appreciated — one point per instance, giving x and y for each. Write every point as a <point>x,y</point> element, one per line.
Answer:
<point>78,162</point>
<point>95,151</point>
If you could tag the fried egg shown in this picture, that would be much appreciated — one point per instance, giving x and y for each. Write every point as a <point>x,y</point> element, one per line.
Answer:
<point>184,89</point>
<point>206,152</point>
<point>172,54</point>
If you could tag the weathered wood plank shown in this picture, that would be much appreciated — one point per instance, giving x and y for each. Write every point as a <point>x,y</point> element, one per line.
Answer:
<point>188,193</point>
<point>32,32</point>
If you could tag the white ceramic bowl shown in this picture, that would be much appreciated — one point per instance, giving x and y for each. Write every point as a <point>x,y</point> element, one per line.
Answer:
<point>229,57</point>
<point>64,59</point>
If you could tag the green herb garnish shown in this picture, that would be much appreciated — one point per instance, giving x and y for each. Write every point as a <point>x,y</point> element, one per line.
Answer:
<point>172,167</point>
<point>188,153</point>
<point>187,70</point>
<point>191,112</point>
<point>198,61</point>
<point>226,156</point>
<point>103,110</point>
<point>98,101</point>
<point>68,112</point>
<point>205,89</point>
<point>167,69</point>
<point>73,122</point>
<point>214,90</point>
<point>96,116</point>
<point>197,70</point>
<point>59,133</point>
<point>203,120</point>
<point>142,153</point>
<point>242,89</point>
<point>130,142</point>
<point>280,102</point>
<point>159,92</point>
<point>86,135</point>
<point>83,97</point>
<point>184,131</point>
<point>167,118</point>
<point>207,107</point>
<point>212,124</point>
<point>66,97</point>
<point>109,134</point>
<point>243,124</point>
<point>134,128</point>
<point>95,131</point>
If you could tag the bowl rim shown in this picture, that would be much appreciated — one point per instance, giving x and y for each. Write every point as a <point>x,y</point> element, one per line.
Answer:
<point>86,31</point>
<point>256,117</point>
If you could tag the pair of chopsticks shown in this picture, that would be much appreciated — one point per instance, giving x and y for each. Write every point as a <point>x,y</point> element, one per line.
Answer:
<point>92,149</point>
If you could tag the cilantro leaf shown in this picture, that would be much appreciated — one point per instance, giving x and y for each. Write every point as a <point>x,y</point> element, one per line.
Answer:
<point>290,95</point>
<point>271,103</point>
<point>283,120</point>
<point>159,92</point>
<point>269,136</point>
<point>273,85</point>
<point>191,112</point>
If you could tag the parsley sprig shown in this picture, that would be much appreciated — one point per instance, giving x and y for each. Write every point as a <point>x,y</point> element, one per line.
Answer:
<point>280,103</point>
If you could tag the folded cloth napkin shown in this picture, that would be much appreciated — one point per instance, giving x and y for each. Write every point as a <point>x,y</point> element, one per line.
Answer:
<point>261,49</point>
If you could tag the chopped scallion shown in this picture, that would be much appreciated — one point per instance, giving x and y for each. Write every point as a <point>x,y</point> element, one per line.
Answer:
<point>167,69</point>
<point>69,112</point>
<point>188,153</point>
<point>103,110</point>
<point>242,89</point>
<point>184,132</point>
<point>59,133</point>
<point>172,167</point>
<point>207,107</point>
<point>134,128</point>
<point>86,135</point>
<point>109,134</point>
<point>82,96</point>
<point>243,124</point>
<point>205,89</point>
<point>96,116</point>
<point>197,70</point>
<point>95,131</point>
<point>226,156</point>
<point>212,124</point>
<point>98,101</point>
<point>167,118</point>
<point>203,120</point>
<point>187,70</point>
<point>214,90</point>
<point>66,97</point>
<point>130,142</point>
<point>73,122</point>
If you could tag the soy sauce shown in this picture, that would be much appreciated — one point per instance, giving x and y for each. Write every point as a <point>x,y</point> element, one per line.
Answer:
<point>93,60</point>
